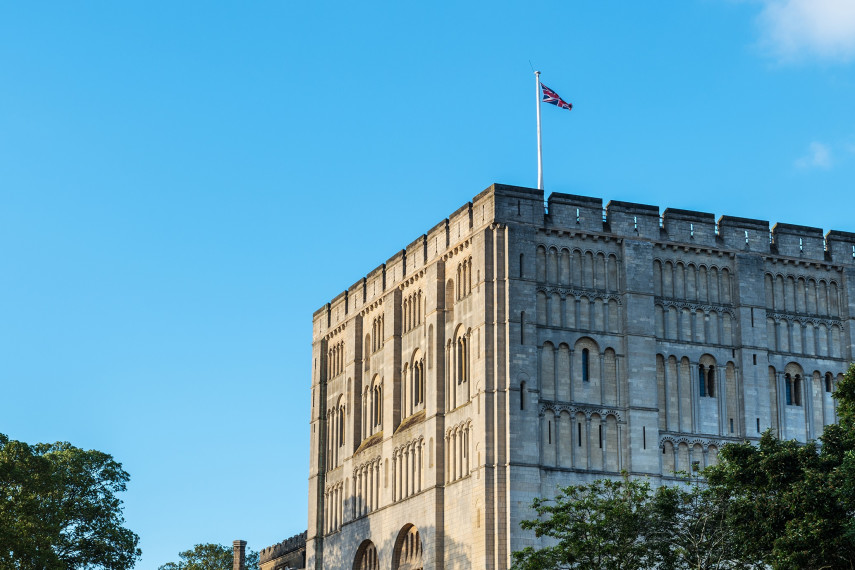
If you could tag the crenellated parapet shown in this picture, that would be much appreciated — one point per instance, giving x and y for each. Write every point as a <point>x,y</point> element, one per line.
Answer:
<point>287,546</point>
<point>587,215</point>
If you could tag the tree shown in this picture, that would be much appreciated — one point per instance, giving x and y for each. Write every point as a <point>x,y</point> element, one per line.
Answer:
<point>793,504</point>
<point>603,525</point>
<point>778,504</point>
<point>698,528</point>
<point>209,557</point>
<point>58,508</point>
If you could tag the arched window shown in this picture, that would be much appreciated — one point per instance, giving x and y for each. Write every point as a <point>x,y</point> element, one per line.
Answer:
<point>702,380</point>
<point>366,557</point>
<point>828,382</point>
<point>462,359</point>
<point>418,383</point>
<point>586,377</point>
<point>797,390</point>
<point>341,422</point>
<point>789,388</point>
<point>408,550</point>
<point>711,381</point>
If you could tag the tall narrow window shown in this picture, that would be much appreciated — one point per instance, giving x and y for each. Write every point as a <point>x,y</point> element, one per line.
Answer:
<point>585,365</point>
<point>601,435</point>
<point>789,388</point>
<point>522,395</point>
<point>797,390</point>
<point>579,431</point>
<point>702,380</point>
<point>711,381</point>
<point>421,382</point>
<point>828,381</point>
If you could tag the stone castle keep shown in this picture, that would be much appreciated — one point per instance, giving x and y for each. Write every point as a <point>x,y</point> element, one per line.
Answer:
<point>518,345</point>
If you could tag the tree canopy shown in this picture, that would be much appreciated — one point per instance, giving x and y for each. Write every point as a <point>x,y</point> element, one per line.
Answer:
<point>772,503</point>
<point>59,509</point>
<point>209,556</point>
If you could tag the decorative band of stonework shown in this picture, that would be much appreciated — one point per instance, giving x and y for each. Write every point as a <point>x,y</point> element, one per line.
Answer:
<point>805,319</point>
<point>705,307</point>
<point>575,408</point>
<point>578,293</point>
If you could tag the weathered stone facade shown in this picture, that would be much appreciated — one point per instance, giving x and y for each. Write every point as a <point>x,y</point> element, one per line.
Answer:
<point>518,345</point>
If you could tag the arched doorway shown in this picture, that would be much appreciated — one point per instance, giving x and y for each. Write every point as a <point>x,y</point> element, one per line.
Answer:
<point>408,550</point>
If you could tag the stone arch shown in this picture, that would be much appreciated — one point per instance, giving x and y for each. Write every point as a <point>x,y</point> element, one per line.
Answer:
<point>547,370</point>
<point>668,458</point>
<point>725,285</point>
<point>449,295</point>
<point>707,376</point>
<point>564,267</point>
<point>712,455</point>
<point>576,268</point>
<point>614,316</point>
<point>794,383</point>
<point>610,383</point>
<point>552,265</point>
<point>586,362</point>
<point>612,272</point>
<point>584,316</point>
<point>610,441</point>
<point>600,270</point>
<point>366,557</point>
<point>562,373</point>
<point>541,308</point>
<point>769,288</point>
<point>540,264</point>
<point>680,280</point>
<point>408,553</point>
<point>668,280</point>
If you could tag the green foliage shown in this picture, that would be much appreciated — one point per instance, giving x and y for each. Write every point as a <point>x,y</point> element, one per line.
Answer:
<point>777,504</point>
<point>209,557</point>
<point>793,504</point>
<point>698,526</point>
<point>58,508</point>
<point>604,525</point>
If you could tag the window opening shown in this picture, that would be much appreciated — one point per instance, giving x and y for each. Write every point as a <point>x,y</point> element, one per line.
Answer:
<point>789,389</point>
<point>585,365</point>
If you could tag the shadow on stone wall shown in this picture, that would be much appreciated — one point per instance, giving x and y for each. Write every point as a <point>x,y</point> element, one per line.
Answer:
<point>395,554</point>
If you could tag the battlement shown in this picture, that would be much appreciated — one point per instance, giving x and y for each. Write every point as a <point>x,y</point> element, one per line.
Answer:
<point>280,549</point>
<point>518,205</point>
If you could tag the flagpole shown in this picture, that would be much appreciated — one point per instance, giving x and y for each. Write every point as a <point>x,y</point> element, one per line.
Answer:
<point>539,144</point>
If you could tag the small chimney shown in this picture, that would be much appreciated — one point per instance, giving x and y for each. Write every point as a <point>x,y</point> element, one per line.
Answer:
<point>239,555</point>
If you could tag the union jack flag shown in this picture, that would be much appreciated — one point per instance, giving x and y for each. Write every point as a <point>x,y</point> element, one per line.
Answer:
<point>550,96</point>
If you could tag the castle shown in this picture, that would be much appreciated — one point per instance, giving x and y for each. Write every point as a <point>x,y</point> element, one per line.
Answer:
<point>520,345</point>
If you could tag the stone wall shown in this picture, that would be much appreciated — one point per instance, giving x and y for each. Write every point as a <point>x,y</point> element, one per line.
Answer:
<point>522,344</point>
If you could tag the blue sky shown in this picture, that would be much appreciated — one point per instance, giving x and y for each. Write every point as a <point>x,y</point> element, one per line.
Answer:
<point>183,184</point>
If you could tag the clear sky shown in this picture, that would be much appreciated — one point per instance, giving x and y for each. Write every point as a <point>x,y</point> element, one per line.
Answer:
<point>183,183</point>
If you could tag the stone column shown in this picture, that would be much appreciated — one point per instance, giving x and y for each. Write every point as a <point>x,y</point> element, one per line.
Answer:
<point>239,549</point>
